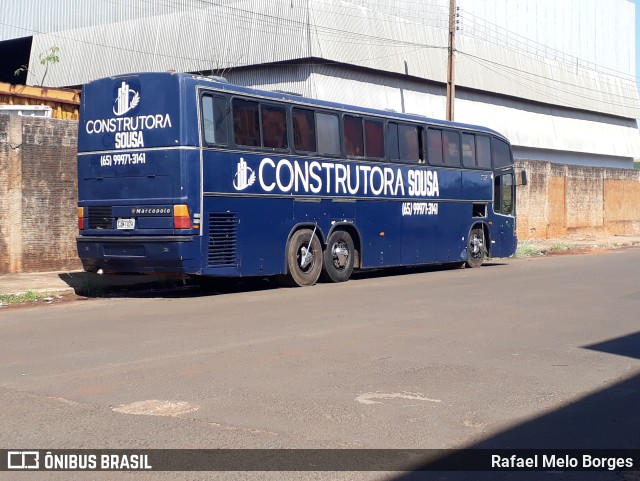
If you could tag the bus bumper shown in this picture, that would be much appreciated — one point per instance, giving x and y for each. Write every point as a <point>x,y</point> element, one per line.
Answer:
<point>140,254</point>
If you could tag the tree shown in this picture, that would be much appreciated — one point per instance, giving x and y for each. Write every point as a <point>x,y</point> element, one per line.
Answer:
<point>47,59</point>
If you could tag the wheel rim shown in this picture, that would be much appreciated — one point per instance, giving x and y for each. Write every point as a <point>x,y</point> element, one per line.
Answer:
<point>476,246</point>
<point>306,258</point>
<point>340,255</point>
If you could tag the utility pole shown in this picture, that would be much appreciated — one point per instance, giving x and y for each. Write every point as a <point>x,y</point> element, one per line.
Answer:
<point>451,61</point>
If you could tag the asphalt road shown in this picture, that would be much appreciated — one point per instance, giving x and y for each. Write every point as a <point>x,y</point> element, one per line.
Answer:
<point>541,353</point>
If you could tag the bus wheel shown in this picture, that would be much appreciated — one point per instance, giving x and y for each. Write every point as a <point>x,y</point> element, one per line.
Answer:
<point>304,258</point>
<point>339,257</point>
<point>475,247</point>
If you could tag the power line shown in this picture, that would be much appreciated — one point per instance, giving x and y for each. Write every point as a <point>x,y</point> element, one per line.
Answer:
<point>222,12</point>
<point>499,34</point>
<point>359,38</point>
<point>505,70</point>
<point>376,40</point>
<point>635,98</point>
<point>627,86</point>
<point>264,19</point>
<point>341,12</point>
<point>272,20</point>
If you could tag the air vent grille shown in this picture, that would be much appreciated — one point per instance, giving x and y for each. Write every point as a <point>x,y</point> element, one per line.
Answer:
<point>223,240</point>
<point>100,217</point>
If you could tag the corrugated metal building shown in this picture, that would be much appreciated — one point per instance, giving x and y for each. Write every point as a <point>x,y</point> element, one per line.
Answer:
<point>558,78</point>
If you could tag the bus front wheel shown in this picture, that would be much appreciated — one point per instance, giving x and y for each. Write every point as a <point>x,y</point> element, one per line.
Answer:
<point>475,247</point>
<point>304,258</point>
<point>339,257</point>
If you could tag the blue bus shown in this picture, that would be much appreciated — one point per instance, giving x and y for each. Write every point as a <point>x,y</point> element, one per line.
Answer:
<point>181,173</point>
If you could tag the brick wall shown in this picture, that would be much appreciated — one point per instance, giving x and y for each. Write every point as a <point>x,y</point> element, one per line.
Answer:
<point>38,194</point>
<point>571,201</point>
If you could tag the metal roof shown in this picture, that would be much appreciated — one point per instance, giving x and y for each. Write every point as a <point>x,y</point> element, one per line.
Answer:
<point>576,53</point>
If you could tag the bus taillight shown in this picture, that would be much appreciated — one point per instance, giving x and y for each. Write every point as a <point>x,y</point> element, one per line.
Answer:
<point>181,218</point>
<point>80,218</point>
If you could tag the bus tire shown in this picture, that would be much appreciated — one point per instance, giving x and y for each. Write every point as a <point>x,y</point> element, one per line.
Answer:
<point>304,258</point>
<point>339,257</point>
<point>475,247</point>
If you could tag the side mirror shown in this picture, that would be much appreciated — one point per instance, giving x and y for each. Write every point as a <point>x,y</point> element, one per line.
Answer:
<point>523,177</point>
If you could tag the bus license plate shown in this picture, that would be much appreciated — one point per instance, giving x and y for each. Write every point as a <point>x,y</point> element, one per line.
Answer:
<point>126,224</point>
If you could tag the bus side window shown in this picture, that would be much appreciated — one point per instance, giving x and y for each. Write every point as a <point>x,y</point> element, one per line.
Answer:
<point>392,140</point>
<point>328,132</point>
<point>483,151</point>
<point>501,154</point>
<point>469,150</point>
<point>374,139</point>
<point>304,130</point>
<point>353,136</point>
<point>409,139</point>
<point>274,127</point>
<point>434,146</point>
<point>451,148</point>
<point>246,123</point>
<point>214,119</point>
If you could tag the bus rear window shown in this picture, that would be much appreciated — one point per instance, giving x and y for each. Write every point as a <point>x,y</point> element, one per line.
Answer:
<point>214,119</point>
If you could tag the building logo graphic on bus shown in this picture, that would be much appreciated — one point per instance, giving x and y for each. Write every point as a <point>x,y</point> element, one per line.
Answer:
<point>126,99</point>
<point>245,176</point>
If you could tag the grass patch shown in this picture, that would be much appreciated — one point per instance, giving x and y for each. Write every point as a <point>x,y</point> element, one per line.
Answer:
<point>561,247</point>
<point>29,296</point>
<point>527,249</point>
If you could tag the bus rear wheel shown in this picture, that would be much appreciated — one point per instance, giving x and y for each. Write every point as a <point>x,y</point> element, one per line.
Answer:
<point>304,258</point>
<point>476,247</point>
<point>339,257</point>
